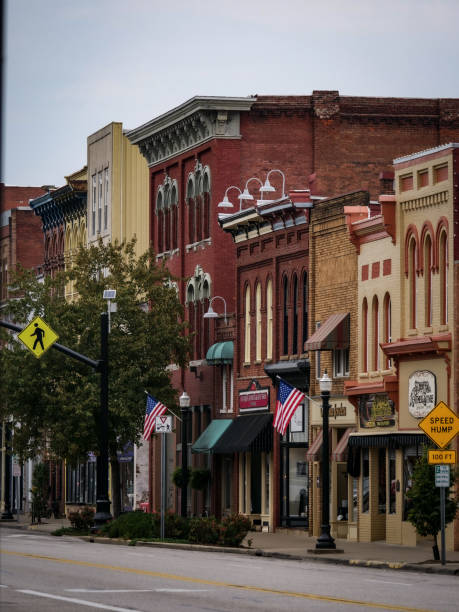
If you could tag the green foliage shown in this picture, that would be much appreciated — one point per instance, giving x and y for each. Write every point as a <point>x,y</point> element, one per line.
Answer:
<point>200,478</point>
<point>54,400</point>
<point>424,497</point>
<point>178,477</point>
<point>39,490</point>
<point>144,526</point>
<point>83,519</point>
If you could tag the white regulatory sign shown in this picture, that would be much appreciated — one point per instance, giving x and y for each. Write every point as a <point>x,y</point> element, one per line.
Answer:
<point>442,475</point>
<point>163,424</point>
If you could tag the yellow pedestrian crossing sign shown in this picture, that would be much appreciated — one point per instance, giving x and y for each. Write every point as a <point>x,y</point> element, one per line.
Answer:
<point>38,337</point>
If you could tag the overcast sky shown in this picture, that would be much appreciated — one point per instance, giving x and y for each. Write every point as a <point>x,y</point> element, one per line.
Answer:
<point>72,66</point>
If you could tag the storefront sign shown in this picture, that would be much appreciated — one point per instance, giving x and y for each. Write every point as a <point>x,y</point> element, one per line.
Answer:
<point>421,393</point>
<point>337,409</point>
<point>254,397</point>
<point>376,410</point>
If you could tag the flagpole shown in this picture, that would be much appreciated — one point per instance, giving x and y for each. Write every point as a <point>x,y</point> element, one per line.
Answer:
<point>176,416</point>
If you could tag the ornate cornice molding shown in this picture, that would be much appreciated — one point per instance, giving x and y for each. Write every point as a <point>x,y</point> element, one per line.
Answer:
<point>189,125</point>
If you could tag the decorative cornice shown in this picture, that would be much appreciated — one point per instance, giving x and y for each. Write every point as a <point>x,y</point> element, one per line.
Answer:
<point>189,125</point>
<point>438,344</point>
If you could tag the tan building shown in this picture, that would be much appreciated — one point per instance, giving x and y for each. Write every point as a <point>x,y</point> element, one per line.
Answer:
<point>405,332</point>
<point>117,188</point>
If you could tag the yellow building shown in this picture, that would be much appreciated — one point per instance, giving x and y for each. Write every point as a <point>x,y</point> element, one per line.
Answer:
<point>117,189</point>
<point>405,338</point>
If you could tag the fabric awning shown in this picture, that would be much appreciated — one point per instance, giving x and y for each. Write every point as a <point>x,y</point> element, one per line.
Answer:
<point>251,432</point>
<point>395,440</point>
<point>340,452</point>
<point>314,451</point>
<point>220,353</point>
<point>295,372</point>
<point>211,435</point>
<point>333,334</point>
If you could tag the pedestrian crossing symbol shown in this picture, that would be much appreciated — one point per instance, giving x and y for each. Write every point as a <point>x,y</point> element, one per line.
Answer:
<point>38,337</point>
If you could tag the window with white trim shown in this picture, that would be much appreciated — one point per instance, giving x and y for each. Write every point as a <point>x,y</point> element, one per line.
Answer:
<point>341,362</point>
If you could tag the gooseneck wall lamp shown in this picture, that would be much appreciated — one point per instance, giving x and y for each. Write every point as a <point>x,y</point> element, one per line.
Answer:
<point>225,203</point>
<point>268,188</point>
<point>211,314</point>
<point>246,196</point>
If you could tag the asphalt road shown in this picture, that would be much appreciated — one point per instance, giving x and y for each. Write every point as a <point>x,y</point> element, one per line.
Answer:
<point>44,573</point>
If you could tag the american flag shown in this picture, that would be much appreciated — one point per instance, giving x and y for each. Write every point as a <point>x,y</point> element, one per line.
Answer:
<point>288,400</point>
<point>154,409</point>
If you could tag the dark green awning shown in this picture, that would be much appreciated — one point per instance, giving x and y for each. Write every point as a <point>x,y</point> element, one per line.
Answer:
<point>211,435</point>
<point>220,353</point>
<point>253,432</point>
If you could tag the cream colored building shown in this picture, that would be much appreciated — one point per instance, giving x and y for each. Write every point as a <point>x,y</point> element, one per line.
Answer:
<point>405,331</point>
<point>117,189</point>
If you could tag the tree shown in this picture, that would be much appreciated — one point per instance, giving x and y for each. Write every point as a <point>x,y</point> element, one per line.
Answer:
<point>54,400</point>
<point>424,497</point>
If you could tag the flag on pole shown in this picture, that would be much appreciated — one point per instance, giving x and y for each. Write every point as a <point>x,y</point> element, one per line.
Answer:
<point>154,409</point>
<point>288,400</point>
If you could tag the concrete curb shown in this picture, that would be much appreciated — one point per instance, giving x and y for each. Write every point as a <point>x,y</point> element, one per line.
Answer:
<point>373,564</point>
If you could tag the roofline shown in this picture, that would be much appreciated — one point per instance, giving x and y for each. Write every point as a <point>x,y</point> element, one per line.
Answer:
<point>413,156</point>
<point>189,107</point>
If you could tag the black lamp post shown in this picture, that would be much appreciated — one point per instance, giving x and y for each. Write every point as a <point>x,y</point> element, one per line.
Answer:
<point>325,541</point>
<point>102,500</point>
<point>184,401</point>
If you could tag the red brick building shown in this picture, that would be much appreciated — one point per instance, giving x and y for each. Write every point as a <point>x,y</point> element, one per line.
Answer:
<point>195,152</point>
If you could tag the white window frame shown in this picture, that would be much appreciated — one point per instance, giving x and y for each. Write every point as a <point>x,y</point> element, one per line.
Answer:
<point>341,363</point>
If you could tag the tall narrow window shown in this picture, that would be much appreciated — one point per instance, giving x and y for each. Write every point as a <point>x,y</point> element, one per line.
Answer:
<point>99,207</point>
<point>443,273</point>
<point>258,322</point>
<point>382,489</point>
<point>375,333</point>
<point>247,325</point>
<point>392,482</point>
<point>365,480</point>
<point>387,324</point>
<point>428,281</point>
<point>106,200</point>
<point>412,263</point>
<point>269,320</point>
<point>191,213</point>
<point>295,316</point>
<point>305,310</point>
<point>285,317</point>
<point>365,335</point>
<point>94,200</point>
<point>159,214</point>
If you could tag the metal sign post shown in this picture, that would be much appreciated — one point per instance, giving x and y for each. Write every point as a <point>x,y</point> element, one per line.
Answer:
<point>163,425</point>
<point>442,481</point>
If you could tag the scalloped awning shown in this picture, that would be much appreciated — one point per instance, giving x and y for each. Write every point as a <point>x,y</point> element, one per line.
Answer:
<point>220,353</point>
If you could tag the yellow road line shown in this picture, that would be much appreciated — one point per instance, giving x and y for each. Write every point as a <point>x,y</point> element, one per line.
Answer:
<point>129,570</point>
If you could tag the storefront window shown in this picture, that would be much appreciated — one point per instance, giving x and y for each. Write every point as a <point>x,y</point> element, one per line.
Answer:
<point>392,482</point>
<point>244,483</point>
<point>410,456</point>
<point>355,496</point>
<point>365,480</point>
<point>267,483</point>
<point>81,483</point>
<point>382,481</point>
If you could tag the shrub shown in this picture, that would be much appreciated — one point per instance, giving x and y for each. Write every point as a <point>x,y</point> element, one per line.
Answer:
<point>233,529</point>
<point>204,530</point>
<point>131,526</point>
<point>82,519</point>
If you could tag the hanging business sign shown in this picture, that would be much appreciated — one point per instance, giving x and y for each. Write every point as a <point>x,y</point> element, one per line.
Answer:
<point>376,410</point>
<point>422,392</point>
<point>254,398</point>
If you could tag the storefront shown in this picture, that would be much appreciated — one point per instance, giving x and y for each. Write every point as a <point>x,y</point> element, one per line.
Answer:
<point>342,421</point>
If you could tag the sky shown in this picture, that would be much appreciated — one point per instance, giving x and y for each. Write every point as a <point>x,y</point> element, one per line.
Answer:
<point>73,66</point>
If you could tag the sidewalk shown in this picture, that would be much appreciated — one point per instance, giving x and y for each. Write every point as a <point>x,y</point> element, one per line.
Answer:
<point>294,544</point>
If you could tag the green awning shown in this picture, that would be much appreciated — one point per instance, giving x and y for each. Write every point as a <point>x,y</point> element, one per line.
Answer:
<point>211,435</point>
<point>220,353</point>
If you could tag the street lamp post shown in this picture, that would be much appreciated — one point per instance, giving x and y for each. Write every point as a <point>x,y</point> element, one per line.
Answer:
<point>184,402</point>
<point>102,500</point>
<point>325,540</point>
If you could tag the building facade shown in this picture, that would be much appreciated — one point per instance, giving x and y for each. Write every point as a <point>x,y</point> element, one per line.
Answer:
<point>406,337</point>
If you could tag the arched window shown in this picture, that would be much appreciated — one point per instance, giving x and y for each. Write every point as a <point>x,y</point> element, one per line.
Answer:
<point>285,316</point>
<point>305,309</point>
<point>428,267</point>
<point>258,322</point>
<point>206,204</point>
<point>375,333</point>
<point>295,316</point>
<point>174,217</point>
<point>269,319</point>
<point>205,308</point>
<point>443,273</point>
<point>160,216</point>
<point>365,335</point>
<point>247,325</point>
<point>191,210</point>
<point>190,298</point>
<point>412,271</point>
<point>387,324</point>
